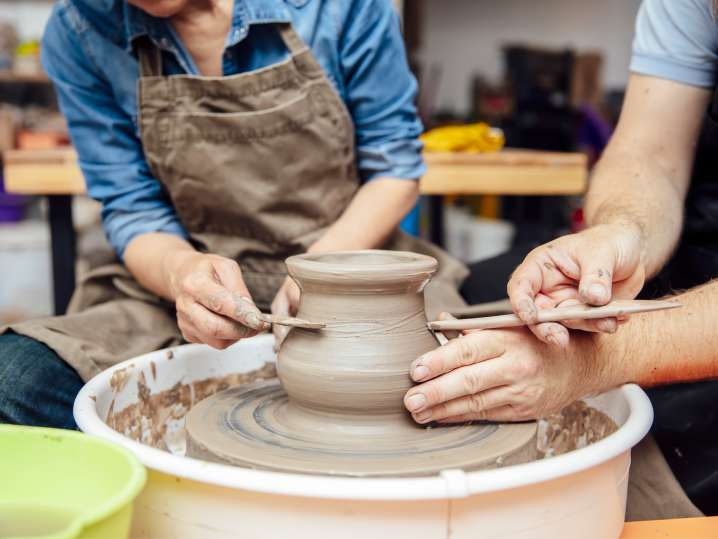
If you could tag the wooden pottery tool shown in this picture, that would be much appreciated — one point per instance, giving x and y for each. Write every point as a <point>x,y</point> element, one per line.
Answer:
<point>291,321</point>
<point>573,312</point>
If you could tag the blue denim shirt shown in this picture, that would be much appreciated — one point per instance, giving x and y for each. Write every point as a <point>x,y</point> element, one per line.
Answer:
<point>88,53</point>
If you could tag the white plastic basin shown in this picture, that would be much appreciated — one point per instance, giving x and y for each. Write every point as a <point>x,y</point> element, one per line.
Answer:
<point>578,494</point>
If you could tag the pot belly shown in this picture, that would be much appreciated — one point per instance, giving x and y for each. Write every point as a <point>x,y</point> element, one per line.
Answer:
<point>367,373</point>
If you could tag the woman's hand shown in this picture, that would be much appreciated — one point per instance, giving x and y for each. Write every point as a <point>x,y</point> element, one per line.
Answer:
<point>504,375</point>
<point>285,303</point>
<point>213,304</point>
<point>592,267</point>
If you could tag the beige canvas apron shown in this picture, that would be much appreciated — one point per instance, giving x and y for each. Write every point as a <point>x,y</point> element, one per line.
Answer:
<point>256,165</point>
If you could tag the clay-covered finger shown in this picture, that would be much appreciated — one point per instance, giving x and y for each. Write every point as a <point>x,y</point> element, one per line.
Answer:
<point>187,329</point>
<point>246,312</point>
<point>475,405</point>
<point>561,261</point>
<point>293,297</point>
<point>551,333</point>
<point>596,284</point>
<point>500,414</point>
<point>469,349</point>
<point>218,344</point>
<point>214,326</point>
<point>230,276</point>
<point>191,335</point>
<point>207,290</point>
<point>280,334</point>
<point>598,325</point>
<point>458,383</point>
<point>524,285</point>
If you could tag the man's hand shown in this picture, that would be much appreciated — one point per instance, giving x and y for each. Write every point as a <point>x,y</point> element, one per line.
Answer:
<point>286,303</point>
<point>213,303</point>
<point>592,267</point>
<point>504,375</point>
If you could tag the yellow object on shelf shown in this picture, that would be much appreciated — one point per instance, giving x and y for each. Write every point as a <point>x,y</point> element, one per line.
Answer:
<point>473,138</point>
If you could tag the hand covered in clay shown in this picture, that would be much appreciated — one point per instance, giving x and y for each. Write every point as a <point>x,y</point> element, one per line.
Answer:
<point>213,304</point>
<point>286,303</point>
<point>592,267</point>
<point>503,375</point>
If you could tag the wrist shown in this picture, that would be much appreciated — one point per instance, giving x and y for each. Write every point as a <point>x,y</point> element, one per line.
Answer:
<point>604,359</point>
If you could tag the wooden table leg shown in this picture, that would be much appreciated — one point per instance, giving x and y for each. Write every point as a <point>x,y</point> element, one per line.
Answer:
<point>62,233</point>
<point>436,219</point>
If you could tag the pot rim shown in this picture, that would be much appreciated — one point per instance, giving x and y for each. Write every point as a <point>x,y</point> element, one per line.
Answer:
<point>310,266</point>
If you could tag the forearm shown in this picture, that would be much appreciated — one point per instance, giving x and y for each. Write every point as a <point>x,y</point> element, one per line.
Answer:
<point>371,217</point>
<point>153,258</point>
<point>636,191</point>
<point>641,181</point>
<point>679,345</point>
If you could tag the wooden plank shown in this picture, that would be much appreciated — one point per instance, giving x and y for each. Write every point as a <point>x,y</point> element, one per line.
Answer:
<point>679,528</point>
<point>503,180</point>
<point>57,156</point>
<point>43,172</point>
<point>511,172</point>
<point>508,157</point>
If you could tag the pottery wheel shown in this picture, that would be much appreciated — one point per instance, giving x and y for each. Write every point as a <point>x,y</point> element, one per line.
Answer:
<point>257,426</point>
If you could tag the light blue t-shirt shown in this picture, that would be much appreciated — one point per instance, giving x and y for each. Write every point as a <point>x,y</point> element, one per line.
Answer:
<point>677,40</point>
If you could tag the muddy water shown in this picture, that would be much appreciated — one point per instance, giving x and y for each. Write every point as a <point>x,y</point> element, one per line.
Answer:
<point>157,419</point>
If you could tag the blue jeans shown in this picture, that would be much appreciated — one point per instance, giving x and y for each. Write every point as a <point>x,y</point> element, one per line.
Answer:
<point>36,386</point>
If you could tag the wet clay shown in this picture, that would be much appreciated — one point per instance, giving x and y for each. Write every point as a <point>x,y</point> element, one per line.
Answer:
<point>157,419</point>
<point>574,427</point>
<point>258,426</point>
<point>339,408</point>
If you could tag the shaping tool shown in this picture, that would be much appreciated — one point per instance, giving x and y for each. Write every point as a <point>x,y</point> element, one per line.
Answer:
<point>574,312</point>
<point>290,321</point>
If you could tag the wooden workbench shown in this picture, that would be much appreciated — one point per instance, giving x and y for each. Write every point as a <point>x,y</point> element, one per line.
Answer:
<point>510,172</point>
<point>43,172</point>
<point>56,174</point>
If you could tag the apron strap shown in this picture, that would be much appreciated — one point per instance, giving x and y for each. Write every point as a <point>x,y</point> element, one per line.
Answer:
<point>291,39</point>
<point>150,58</point>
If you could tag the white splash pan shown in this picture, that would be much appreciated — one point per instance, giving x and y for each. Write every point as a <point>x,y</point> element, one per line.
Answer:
<point>578,494</point>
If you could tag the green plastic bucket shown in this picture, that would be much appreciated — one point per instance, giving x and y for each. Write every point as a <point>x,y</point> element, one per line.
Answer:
<point>60,484</point>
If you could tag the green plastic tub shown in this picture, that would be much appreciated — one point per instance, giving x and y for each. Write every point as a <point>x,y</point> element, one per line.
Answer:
<point>60,484</point>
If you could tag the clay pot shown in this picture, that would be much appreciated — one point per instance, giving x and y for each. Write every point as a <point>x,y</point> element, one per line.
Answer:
<point>373,304</point>
<point>340,409</point>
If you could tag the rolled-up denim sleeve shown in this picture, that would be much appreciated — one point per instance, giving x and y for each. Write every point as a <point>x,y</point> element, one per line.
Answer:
<point>103,134</point>
<point>380,92</point>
